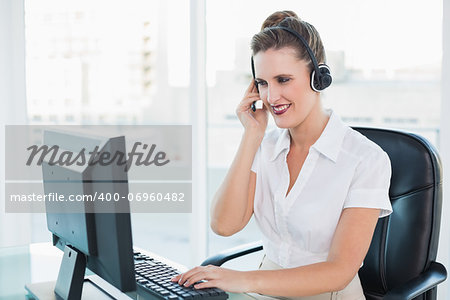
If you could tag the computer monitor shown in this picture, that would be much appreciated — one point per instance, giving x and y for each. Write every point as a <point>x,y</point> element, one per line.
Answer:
<point>97,231</point>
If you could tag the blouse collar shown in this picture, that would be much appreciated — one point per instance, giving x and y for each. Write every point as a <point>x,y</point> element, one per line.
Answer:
<point>329,143</point>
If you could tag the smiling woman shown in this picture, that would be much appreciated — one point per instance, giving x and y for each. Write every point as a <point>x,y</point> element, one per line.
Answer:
<point>380,76</point>
<point>315,186</point>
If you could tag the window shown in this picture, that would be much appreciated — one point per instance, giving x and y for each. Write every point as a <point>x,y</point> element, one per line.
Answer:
<point>385,62</point>
<point>87,63</point>
<point>129,64</point>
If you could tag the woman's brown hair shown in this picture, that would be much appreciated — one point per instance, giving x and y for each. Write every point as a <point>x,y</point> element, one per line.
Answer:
<point>274,38</point>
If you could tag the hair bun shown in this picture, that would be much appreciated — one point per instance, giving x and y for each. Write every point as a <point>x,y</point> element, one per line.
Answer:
<point>276,18</point>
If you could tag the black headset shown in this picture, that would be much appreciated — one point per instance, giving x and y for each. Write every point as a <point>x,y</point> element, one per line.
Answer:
<point>320,75</point>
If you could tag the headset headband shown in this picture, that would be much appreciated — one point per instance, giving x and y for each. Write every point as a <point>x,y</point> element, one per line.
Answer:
<point>304,42</point>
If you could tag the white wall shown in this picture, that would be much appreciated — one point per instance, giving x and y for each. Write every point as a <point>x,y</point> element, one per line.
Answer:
<point>444,245</point>
<point>15,229</point>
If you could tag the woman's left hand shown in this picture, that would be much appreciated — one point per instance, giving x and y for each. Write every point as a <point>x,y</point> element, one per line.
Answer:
<point>228,280</point>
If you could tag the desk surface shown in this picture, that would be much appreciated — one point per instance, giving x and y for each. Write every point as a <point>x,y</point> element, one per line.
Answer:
<point>40,262</point>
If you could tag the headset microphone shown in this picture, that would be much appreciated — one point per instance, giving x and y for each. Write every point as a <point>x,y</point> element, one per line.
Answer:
<point>253,106</point>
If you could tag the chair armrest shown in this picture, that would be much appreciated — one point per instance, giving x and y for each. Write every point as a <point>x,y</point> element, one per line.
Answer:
<point>229,254</point>
<point>434,275</point>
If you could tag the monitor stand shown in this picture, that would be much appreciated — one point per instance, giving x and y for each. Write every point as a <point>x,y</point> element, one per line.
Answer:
<point>72,285</point>
<point>71,274</point>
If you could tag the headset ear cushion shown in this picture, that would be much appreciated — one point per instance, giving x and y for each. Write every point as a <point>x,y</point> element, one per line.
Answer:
<point>325,76</point>
<point>323,80</point>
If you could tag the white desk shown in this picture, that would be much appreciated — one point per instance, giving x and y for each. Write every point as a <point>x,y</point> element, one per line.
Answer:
<point>40,263</point>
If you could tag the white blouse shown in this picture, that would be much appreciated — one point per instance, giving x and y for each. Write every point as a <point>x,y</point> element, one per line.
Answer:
<point>342,169</point>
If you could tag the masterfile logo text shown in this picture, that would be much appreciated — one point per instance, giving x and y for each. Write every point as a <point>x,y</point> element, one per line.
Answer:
<point>93,168</point>
<point>143,153</point>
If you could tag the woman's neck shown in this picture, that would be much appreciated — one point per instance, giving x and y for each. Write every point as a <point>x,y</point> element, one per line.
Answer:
<point>309,131</point>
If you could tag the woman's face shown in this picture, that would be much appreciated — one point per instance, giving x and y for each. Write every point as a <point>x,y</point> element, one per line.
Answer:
<point>284,86</point>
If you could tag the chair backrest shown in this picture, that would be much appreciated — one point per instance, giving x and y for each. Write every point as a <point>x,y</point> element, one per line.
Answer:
<point>406,242</point>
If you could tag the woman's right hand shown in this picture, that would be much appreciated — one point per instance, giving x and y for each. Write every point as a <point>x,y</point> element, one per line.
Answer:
<point>256,122</point>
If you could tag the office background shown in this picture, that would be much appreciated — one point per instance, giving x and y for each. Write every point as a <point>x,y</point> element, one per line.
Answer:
<point>187,62</point>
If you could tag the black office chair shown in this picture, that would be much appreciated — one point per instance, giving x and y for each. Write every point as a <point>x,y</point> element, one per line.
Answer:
<point>401,262</point>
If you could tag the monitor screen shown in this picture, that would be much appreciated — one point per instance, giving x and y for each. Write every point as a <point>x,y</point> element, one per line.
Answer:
<point>99,230</point>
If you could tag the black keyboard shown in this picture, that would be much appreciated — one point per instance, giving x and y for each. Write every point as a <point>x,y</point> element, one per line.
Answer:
<point>153,282</point>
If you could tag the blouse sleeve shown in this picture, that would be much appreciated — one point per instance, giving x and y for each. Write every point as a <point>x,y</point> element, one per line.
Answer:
<point>255,165</point>
<point>370,184</point>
